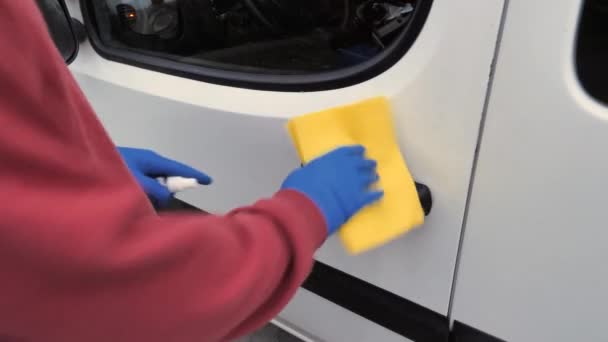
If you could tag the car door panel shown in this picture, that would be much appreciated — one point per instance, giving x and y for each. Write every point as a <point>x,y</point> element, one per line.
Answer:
<point>238,135</point>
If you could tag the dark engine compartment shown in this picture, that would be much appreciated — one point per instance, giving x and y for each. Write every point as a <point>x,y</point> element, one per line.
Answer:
<point>284,36</point>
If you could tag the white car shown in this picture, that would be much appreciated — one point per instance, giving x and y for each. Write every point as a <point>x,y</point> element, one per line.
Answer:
<point>500,108</point>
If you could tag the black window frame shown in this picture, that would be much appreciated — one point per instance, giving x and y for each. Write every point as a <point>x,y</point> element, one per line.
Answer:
<point>70,24</point>
<point>590,72</point>
<point>262,81</point>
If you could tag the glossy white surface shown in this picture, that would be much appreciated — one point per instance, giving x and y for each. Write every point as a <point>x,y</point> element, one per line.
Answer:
<point>238,136</point>
<point>534,256</point>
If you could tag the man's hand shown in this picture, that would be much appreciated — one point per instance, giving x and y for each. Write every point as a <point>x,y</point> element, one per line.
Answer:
<point>147,166</point>
<point>340,183</point>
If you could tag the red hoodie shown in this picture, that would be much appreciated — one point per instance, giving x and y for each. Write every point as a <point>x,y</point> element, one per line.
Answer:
<point>83,255</point>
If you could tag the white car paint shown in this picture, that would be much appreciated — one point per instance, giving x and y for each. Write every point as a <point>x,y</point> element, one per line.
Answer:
<point>238,136</point>
<point>533,264</point>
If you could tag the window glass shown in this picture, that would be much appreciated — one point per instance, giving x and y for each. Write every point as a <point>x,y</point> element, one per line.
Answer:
<point>592,49</point>
<point>281,37</point>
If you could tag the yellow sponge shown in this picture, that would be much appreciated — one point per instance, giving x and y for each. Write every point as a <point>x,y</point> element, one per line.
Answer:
<point>368,123</point>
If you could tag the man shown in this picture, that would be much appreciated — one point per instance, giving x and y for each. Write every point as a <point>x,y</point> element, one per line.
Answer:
<point>83,255</point>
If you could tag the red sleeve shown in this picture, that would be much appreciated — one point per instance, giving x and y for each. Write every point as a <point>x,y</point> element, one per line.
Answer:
<point>83,255</point>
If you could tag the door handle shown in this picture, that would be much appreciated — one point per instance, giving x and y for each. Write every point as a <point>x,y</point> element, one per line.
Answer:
<point>426,198</point>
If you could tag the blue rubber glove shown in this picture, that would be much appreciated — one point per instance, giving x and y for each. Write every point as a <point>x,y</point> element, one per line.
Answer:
<point>338,183</point>
<point>147,165</point>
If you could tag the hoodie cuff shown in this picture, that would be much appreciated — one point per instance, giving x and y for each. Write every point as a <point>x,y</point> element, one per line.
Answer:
<point>310,214</point>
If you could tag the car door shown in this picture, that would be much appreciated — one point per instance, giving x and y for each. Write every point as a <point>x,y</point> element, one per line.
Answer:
<point>534,253</point>
<point>231,124</point>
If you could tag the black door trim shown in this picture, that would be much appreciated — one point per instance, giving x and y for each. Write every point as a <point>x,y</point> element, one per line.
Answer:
<point>382,307</point>
<point>373,303</point>
<point>464,333</point>
<point>395,313</point>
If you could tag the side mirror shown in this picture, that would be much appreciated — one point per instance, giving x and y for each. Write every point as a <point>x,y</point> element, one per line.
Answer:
<point>59,23</point>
